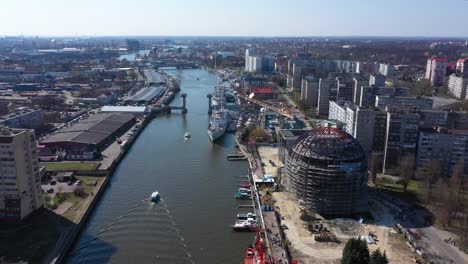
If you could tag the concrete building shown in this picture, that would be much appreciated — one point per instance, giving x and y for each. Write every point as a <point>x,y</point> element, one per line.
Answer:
<point>364,124</point>
<point>344,89</point>
<point>256,63</point>
<point>85,140</point>
<point>368,94</point>
<point>23,118</point>
<point>325,94</point>
<point>400,102</point>
<point>441,118</point>
<point>359,82</point>
<point>309,92</point>
<point>20,182</point>
<point>446,146</point>
<point>134,110</point>
<point>436,70</point>
<point>327,170</point>
<point>377,80</point>
<point>457,86</point>
<point>386,70</point>
<point>400,139</point>
<point>462,67</point>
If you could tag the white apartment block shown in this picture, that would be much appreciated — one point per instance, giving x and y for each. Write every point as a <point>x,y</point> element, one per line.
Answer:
<point>457,86</point>
<point>20,183</point>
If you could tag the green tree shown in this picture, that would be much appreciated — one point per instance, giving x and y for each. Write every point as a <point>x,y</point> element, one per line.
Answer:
<point>355,252</point>
<point>378,257</point>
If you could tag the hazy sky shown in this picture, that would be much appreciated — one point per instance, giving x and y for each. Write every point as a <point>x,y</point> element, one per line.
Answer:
<point>235,17</point>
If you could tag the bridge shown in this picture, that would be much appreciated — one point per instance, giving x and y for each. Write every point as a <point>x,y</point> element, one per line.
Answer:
<point>175,64</point>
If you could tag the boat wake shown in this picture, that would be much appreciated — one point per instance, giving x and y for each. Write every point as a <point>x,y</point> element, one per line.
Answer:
<point>156,228</point>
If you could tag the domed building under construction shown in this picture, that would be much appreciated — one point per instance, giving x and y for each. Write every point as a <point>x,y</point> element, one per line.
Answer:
<point>327,170</point>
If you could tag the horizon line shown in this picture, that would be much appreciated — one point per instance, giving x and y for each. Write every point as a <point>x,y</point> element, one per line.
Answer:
<point>235,36</point>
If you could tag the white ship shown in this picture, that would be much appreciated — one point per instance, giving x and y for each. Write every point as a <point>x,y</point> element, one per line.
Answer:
<point>218,124</point>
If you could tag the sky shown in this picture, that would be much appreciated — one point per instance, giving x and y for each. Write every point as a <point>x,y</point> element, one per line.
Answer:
<point>428,18</point>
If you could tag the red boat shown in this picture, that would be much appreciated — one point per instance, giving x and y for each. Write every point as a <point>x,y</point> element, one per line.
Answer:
<point>255,253</point>
<point>245,185</point>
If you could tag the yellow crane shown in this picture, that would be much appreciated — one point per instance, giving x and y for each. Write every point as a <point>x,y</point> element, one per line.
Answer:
<point>280,111</point>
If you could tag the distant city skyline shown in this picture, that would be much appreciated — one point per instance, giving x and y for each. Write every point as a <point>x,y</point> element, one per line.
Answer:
<point>295,18</point>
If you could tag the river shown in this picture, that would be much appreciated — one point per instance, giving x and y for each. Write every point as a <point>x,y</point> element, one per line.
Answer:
<point>197,184</point>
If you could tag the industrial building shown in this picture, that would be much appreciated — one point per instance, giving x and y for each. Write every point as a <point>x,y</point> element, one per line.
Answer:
<point>134,110</point>
<point>23,118</point>
<point>146,94</point>
<point>85,140</point>
<point>327,171</point>
<point>20,182</point>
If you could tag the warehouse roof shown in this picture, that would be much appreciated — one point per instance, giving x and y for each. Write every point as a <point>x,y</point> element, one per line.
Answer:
<point>147,94</point>
<point>125,109</point>
<point>93,130</point>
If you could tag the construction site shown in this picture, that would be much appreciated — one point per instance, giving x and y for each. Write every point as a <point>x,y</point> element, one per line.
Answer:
<point>326,170</point>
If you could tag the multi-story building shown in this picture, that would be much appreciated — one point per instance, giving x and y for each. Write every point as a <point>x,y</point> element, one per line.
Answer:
<point>257,63</point>
<point>436,70</point>
<point>462,67</point>
<point>408,102</point>
<point>377,80</point>
<point>364,124</point>
<point>344,89</point>
<point>447,146</point>
<point>359,82</point>
<point>23,118</point>
<point>368,94</point>
<point>400,139</point>
<point>20,183</point>
<point>309,92</point>
<point>441,118</point>
<point>386,69</point>
<point>457,86</point>
<point>326,93</point>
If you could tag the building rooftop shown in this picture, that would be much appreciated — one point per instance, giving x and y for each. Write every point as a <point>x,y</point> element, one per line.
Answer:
<point>92,130</point>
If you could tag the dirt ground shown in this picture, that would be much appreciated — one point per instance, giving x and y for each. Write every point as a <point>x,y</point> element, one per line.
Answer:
<point>305,249</point>
<point>268,154</point>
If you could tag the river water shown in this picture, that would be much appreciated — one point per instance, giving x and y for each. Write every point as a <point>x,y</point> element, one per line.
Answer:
<point>197,184</point>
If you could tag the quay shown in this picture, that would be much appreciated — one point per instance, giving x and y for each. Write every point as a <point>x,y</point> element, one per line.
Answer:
<point>112,156</point>
<point>277,246</point>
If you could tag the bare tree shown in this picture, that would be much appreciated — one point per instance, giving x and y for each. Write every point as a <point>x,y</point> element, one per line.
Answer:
<point>374,166</point>
<point>431,173</point>
<point>406,170</point>
<point>441,209</point>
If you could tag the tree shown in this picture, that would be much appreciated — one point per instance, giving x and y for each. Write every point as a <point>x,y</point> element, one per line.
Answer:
<point>431,173</point>
<point>406,170</point>
<point>378,257</point>
<point>374,166</point>
<point>355,252</point>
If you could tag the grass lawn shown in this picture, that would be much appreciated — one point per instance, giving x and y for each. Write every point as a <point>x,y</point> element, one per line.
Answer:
<point>63,166</point>
<point>414,193</point>
<point>87,185</point>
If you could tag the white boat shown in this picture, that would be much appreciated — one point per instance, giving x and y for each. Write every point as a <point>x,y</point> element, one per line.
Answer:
<point>155,197</point>
<point>218,125</point>
<point>244,225</point>
<point>246,216</point>
<point>187,135</point>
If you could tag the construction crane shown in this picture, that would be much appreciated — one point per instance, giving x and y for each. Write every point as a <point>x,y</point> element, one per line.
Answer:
<point>280,111</point>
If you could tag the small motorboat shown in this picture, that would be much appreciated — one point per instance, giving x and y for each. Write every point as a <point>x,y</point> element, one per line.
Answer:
<point>187,135</point>
<point>155,197</point>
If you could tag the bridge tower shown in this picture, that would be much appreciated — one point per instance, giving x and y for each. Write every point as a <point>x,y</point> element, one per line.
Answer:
<point>184,102</point>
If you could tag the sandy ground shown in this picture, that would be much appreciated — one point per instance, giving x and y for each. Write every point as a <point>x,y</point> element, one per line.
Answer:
<point>305,249</point>
<point>266,154</point>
